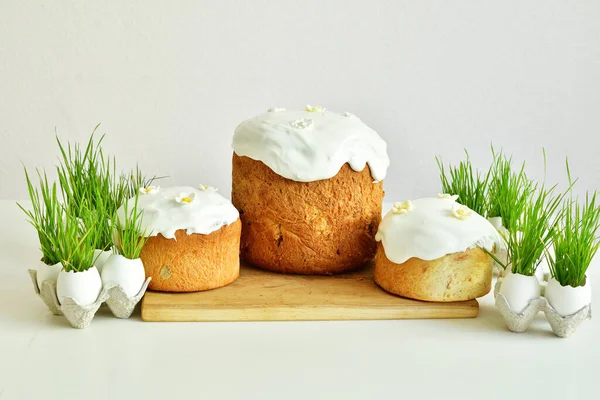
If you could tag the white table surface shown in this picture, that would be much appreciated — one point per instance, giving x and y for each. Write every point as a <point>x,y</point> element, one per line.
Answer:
<point>41,356</point>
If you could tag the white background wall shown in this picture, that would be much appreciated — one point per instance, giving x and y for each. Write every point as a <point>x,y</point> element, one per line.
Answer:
<point>171,80</point>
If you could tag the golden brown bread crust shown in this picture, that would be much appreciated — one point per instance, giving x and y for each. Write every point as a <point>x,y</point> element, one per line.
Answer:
<point>321,227</point>
<point>193,262</point>
<point>454,277</point>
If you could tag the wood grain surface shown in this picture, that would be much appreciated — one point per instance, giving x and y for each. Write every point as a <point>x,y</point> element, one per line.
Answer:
<point>266,296</point>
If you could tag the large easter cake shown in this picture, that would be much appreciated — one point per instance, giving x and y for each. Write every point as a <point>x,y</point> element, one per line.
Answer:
<point>309,188</point>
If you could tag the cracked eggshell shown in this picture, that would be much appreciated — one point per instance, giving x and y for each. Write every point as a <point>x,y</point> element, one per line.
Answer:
<point>129,274</point>
<point>567,300</point>
<point>83,287</point>
<point>539,272</point>
<point>47,272</point>
<point>496,222</point>
<point>102,257</point>
<point>519,290</point>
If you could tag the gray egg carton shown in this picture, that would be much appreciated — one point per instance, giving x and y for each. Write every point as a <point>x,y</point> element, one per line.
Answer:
<point>81,316</point>
<point>519,322</point>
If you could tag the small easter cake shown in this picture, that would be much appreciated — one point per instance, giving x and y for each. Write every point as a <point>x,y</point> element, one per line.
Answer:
<point>433,249</point>
<point>309,188</point>
<point>194,238</point>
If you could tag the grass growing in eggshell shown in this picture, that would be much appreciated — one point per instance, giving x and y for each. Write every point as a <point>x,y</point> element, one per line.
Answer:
<point>88,176</point>
<point>129,236</point>
<point>45,215</point>
<point>91,191</point>
<point>74,241</point>
<point>538,221</point>
<point>576,240</point>
<point>509,191</point>
<point>88,182</point>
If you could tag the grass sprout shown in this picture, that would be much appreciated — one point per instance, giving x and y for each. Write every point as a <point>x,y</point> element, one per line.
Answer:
<point>536,231</point>
<point>89,181</point>
<point>509,191</point>
<point>466,182</point>
<point>45,215</point>
<point>575,240</point>
<point>74,241</point>
<point>130,237</point>
<point>80,171</point>
<point>88,184</point>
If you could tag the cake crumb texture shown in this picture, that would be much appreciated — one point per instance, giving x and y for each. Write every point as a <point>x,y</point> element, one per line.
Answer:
<point>454,277</point>
<point>195,262</point>
<point>322,227</point>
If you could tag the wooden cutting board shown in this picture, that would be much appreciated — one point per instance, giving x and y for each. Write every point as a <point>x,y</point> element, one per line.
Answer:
<point>266,296</point>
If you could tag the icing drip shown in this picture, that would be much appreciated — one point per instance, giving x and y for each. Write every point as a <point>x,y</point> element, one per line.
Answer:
<point>432,228</point>
<point>197,211</point>
<point>308,146</point>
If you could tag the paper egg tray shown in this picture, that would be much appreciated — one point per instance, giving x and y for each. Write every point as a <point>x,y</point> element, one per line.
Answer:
<point>519,322</point>
<point>81,316</point>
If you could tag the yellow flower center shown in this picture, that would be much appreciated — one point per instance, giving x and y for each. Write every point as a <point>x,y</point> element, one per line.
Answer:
<point>186,200</point>
<point>402,208</point>
<point>461,212</point>
<point>148,190</point>
<point>310,108</point>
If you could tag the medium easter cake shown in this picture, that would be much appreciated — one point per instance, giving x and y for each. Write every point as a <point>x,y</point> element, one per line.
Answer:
<point>309,188</point>
<point>434,249</point>
<point>194,238</point>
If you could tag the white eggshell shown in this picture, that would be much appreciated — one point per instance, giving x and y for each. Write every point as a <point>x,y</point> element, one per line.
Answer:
<point>47,272</point>
<point>567,300</point>
<point>102,257</point>
<point>129,274</point>
<point>519,290</point>
<point>539,272</point>
<point>83,287</point>
<point>496,222</point>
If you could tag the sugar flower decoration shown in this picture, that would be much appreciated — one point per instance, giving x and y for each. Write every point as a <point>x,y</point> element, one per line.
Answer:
<point>447,196</point>
<point>349,115</point>
<point>310,108</point>
<point>205,188</point>
<point>185,198</point>
<point>460,212</point>
<point>275,109</point>
<point>149,190</point>
<point>302,123</point>
<point>402,207</point>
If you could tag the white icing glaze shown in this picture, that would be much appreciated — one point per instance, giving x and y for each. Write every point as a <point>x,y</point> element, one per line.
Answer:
<point>349,115</point>
<point>430,229</point>
<point>162,213</point>
<point>308,146</point>
<point>310,108</point>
